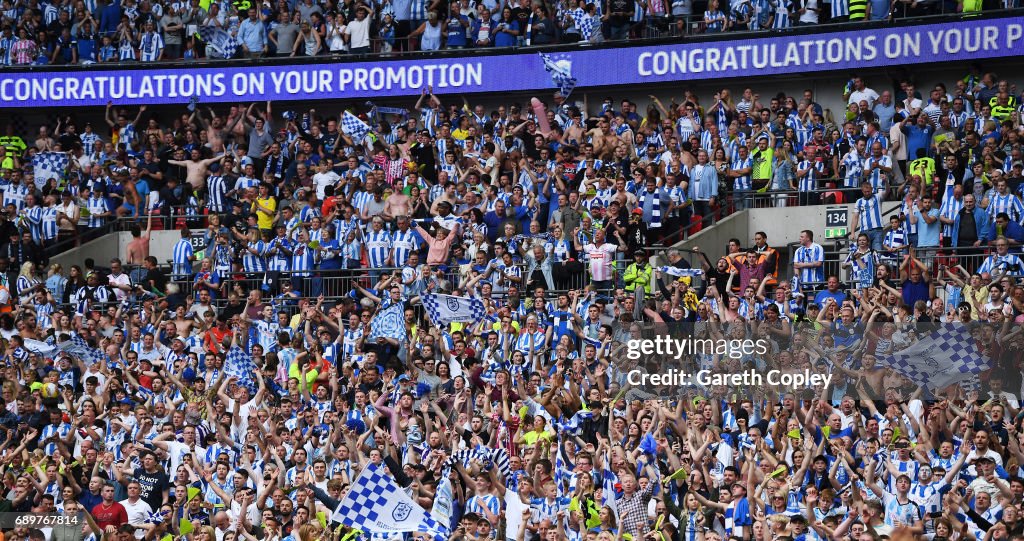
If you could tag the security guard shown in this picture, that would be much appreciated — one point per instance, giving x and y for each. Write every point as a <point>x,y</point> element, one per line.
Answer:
<point>639,273</point>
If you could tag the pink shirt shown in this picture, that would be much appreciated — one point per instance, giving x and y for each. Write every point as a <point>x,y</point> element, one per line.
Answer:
<point>437,250</point>
<point>601,260</point>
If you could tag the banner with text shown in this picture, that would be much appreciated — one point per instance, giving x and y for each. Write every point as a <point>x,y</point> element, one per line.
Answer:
<point>967,40</point>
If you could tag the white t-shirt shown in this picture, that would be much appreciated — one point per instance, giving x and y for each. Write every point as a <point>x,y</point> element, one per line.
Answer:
<point>514,508</point>
<point>335,39</point>
<point>120,280</point>
<point>867,94</point>
<point>359,33</point>
<point>323,180</point>
<point>810,16</point>
<point>138,512</point>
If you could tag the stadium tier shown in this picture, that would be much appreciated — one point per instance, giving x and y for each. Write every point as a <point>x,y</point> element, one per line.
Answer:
<point>392,271</point>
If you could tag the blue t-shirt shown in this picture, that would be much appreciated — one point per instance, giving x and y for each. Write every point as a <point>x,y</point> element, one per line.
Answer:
<point>504,39</point>
<point>918,138</point>
<point>456,31</point>
<point>928,234</point>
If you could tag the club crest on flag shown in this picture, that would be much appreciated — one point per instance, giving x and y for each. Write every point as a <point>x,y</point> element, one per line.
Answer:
<point>402,511</point>
<point>560,68</point>
<point>453,303</point>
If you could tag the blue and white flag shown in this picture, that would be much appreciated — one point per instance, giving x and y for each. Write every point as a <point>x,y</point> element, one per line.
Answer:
<point>239,364</point>
<point>572,426</point>
<point>561,73</point>
<point>79,348</point>
<point>944,357</point>
<point>487,455</point>
<point>445,309</point>
<point>376,504</point>
<point>443,503</point>
<point>674,271</point>
<point>354,128</point>
<point>47,165</point>
<point>219,43</point>
<point>36,346</point>
<point>388,323</point>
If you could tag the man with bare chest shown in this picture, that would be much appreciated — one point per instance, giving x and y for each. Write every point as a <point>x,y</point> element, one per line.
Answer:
<point>196,169</point>
<point>397,204</point>
<point>138,248</point>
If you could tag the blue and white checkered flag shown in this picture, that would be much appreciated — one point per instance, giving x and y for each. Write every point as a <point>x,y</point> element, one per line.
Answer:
<point>47,165</point>
<point>376,504</point>
<point>219,43</point>
<point>445,309</point>
<point>388,323</point>
<point>673,271</point>
<point>239,364</point>
<point>79,348</point>
<point>945,356</point>
<point>36,346</point>
<point>561,73</point>
<point>354,128</point>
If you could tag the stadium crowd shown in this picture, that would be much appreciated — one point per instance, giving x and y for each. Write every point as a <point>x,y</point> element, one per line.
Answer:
<point>241,392</point>
<point>63,32</point>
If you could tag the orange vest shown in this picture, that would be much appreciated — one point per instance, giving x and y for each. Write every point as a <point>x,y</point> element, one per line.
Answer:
<point>9,306</point>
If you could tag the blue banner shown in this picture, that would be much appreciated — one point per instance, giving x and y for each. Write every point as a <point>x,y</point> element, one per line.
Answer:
<point>968,40</point>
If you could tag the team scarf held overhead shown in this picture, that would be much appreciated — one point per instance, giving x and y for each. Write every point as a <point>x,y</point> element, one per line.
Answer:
<point>655,206</point>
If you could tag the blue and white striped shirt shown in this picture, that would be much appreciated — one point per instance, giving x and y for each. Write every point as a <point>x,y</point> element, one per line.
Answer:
<point>95,206</point>
<point>870,212</point>
<point>877,177</point>
<point>742,183</point>
<point>349,340</point>
<point>303,260</point>
<point>14,194</point>
<point>150,46</point>
<point>255,262</point>
<point>811,254</point>
<point>853,165</point>
<point>180,258</point>
<point>216,194</point>
<point>781,20</point>
<point>90,143</point>
<point>280,261</point>
<point>378,248</point>
<point>1009,203</point>
<point>809,181</point>
<point>403,244</point>
<point>6,44</point>
<point>49,223</point>
<point>34,217</point>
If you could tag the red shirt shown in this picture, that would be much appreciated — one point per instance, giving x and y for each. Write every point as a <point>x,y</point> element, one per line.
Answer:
<point>330,203</point>
<point>112,515</point>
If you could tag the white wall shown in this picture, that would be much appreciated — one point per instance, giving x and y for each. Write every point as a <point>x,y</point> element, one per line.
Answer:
<point>102,250</point>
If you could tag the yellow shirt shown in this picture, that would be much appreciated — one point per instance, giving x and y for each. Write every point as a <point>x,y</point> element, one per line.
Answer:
<point>311,375</point>
<point>532,436</point>
<point>497,326</point>
<point>264,220</point>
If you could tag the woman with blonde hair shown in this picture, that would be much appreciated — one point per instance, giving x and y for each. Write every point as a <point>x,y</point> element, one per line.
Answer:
<point>28,281</point>
<point>311,532</point>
